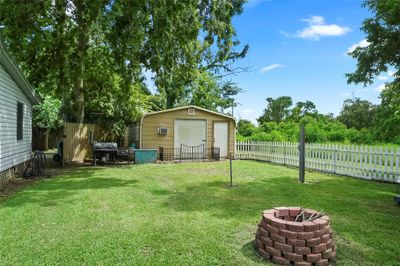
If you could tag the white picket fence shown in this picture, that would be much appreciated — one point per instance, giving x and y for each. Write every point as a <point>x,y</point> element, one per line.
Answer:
<point>367,162</point>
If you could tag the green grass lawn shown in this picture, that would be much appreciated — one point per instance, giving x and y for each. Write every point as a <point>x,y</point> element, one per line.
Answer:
<point>185,214</point>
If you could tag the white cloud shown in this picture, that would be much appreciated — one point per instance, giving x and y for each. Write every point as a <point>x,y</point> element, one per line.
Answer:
<point>383,78</point>
<point>247,111</point>
<point>270,67</point>
<point>362,44</point>
<point>380,88</point>
<point>345,94</point>
<point>318,28</point>
<point>391,73</point>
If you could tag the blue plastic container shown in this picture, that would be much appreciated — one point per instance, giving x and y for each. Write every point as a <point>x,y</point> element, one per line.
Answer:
<point>145,156</point>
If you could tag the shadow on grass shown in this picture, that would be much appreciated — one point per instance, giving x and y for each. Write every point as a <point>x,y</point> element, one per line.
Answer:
<point>334,195</point>
<point>251,253</point>
<point>64,188</point>
<point>345,200</point>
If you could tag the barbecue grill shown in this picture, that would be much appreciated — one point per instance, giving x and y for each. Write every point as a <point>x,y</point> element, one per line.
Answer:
<point>106,149</point>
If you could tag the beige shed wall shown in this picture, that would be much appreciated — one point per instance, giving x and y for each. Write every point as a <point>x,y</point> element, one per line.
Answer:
<point>152,140</point>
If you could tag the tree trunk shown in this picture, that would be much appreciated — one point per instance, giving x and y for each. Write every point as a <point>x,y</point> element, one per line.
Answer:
<point>170,100</point>
<point>79,91</point>
<point>79,99</point>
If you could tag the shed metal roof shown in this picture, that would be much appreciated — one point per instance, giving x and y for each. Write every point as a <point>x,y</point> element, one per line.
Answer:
<point>187,107</point>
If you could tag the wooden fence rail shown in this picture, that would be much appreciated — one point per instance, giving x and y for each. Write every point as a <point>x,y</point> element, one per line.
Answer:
<point>367,162</point>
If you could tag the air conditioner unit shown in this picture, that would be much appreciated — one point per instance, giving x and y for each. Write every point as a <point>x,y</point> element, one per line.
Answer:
<point>162,130</point>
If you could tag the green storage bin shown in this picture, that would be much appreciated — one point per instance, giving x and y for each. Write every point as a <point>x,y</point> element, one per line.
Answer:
<point>145,156</point>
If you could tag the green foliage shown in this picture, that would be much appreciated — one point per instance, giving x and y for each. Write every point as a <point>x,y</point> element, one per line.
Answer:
<point>180,40</point>
<point>211,92</point>
<point>357,113</point>
<point>387,120</point>
<point>114,105</point>
<point>380,55</point>
<point>359,121</point>
<point>245,128</point>
<point>302,109</point>
<point>318,127</point>
<point>277,109</point>
<point>77,49</point>
<point>383,31</point>
<point>47,114</point>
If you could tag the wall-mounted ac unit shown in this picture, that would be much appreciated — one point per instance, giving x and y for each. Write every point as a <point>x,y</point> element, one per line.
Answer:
<point>162,130</point>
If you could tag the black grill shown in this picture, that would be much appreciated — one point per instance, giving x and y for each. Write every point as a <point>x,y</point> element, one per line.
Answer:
<point>105,146</point>
<point>107,149</point>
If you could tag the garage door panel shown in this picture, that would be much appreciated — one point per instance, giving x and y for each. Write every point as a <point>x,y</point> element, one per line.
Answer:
<point>190,132</point>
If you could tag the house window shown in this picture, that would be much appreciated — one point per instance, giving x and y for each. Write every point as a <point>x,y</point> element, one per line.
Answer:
<point>20,120</point>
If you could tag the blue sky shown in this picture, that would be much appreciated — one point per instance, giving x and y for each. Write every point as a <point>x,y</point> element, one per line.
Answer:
<point>298,49</point>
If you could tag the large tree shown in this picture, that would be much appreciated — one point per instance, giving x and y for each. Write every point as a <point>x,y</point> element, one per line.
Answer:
<point>302,109</point>
<point>383,39</point>
<point>209,91</point>
<point>357,113</point>
<point>381,54</point>
<point>81,50</point>
<point>277,110</point>
<point>52,40</point>
<point>387,119</point>
<point>183,39</point>
<point>245,128</point>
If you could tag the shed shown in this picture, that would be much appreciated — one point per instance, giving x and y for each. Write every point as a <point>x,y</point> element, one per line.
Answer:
<point>188,125</point>
<point>16,99</point>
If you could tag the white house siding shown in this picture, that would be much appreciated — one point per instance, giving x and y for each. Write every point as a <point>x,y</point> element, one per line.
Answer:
<point>13,151</point>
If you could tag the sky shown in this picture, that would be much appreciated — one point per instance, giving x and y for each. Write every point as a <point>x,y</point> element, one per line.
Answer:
<point>298,48</point>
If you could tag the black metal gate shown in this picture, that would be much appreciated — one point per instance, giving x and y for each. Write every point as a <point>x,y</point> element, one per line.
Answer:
<point>189,153</point>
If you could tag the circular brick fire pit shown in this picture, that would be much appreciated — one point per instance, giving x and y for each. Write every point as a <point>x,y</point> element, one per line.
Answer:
<point>306,241</point>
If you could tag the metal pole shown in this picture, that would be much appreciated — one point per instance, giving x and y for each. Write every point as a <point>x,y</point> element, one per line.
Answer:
<point>230,169</point>
<point>302,154</point>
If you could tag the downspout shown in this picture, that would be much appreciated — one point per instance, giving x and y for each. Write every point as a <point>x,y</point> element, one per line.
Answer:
<point>141,132</point>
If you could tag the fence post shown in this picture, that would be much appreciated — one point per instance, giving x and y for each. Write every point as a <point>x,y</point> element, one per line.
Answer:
<point>334,159</point>
<point>284,153</point>
<point>203,151</point>
<point>302,154</point>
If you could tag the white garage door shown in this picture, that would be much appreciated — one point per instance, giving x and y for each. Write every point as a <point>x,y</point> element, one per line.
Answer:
<point>190,132</point>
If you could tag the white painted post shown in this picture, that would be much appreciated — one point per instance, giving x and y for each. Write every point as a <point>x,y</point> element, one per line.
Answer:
<point>334,159</point>
<point>386,164</point>
<point>391,158</point>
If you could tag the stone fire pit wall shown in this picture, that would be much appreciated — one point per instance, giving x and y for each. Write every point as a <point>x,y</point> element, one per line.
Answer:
<point>283,241</point>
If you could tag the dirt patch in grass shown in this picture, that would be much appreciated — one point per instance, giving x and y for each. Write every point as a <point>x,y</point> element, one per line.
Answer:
<point>14,185</point>
<point>207,171</point>
<point>52,169</point>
